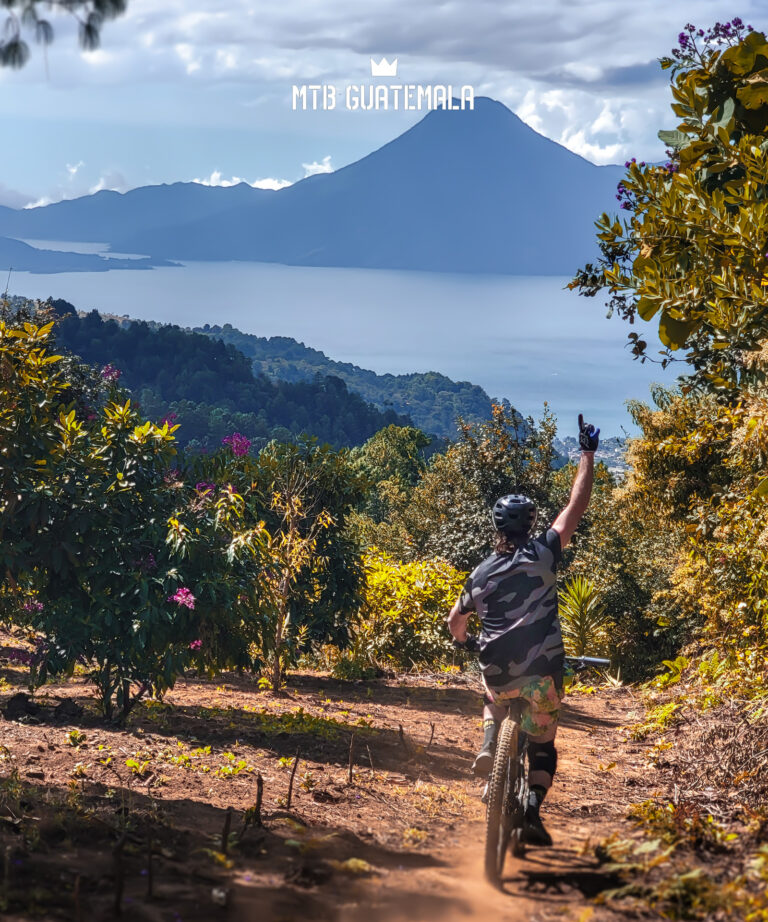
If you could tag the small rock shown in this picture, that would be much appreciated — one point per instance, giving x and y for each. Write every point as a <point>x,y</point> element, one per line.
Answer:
<point>220,896</point>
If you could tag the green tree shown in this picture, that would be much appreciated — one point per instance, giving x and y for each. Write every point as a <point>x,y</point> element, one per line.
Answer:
<point>448,513</point>
<point>692,255</point>
<point>305,493</point>
<point>393,461</point>
<point>693,258</point>
<point>107,554</point>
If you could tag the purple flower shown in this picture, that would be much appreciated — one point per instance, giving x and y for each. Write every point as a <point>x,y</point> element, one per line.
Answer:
<point>110,374</point>
<point>172,475</point>
<point>32,606</point>
<point>148,564</point>
<point>22,657</point>
<point>183,596</point>
<point>205,487</point>
<point>169,419</point>
<point>196,645</point>
<point>239,444</point>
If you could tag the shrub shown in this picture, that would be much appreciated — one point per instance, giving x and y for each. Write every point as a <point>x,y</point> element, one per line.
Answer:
<point>583,618</point>
<point>402,618</point>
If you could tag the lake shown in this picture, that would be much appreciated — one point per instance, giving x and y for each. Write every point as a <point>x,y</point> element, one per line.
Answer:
<point>524,338</point>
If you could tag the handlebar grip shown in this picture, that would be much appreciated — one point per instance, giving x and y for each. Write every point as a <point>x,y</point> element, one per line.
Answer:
<point>587,661</point>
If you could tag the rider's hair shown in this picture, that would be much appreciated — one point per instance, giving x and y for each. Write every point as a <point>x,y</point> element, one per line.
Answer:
<point>510,544</point>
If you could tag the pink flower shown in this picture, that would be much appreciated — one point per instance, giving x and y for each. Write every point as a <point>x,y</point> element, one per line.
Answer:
<point>110,374</point>
<point>196,645</point>
<point>183,596</point>
<point>239,444</point>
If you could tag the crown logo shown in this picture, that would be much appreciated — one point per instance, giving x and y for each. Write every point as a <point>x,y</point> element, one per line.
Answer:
<point>383,68</point>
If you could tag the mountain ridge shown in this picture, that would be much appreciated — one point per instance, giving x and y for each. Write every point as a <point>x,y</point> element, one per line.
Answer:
<point>516,202</point>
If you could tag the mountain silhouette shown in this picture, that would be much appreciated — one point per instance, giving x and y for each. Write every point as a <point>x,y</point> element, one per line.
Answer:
<point>474,191</point>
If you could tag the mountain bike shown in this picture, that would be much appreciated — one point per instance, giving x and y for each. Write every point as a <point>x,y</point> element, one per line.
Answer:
<point>506,794</point>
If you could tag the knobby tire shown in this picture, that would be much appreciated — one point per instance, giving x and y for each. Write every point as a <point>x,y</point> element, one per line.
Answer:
<point>505,805</point>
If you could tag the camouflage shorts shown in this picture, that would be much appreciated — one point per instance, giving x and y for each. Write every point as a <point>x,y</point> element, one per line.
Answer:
<point>543,697</point>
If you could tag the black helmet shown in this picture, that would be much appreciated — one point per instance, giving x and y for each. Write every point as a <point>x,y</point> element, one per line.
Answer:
<point>514,514</point>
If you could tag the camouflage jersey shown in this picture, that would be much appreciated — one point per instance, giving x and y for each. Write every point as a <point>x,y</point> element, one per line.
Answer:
<point>515,598</point>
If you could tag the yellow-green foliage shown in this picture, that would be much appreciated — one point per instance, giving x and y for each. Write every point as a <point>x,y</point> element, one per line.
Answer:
<point>703,461</point>
<point>657,719</point>
<point>402,618</point>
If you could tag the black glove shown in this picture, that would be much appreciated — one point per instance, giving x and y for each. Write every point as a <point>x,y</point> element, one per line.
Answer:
<point>588,436</point>
<point>471,644</point>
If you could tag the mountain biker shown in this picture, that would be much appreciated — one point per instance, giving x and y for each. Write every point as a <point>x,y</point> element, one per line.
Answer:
<point>520,645</point>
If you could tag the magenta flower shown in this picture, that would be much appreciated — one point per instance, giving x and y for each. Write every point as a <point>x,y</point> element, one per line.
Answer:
<point>196,645</point>
<point>183,596</point>
<point>239,444</point>
<point>22,657</point>
<point>169,419</point>
<point>204,487</point>
<point>32,605</point>
<point>110,374</point>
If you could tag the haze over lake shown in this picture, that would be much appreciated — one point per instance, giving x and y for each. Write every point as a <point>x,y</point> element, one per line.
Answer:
<point>520,337</point>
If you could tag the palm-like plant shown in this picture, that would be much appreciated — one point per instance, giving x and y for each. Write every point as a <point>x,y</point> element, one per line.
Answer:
<point>583,618</point>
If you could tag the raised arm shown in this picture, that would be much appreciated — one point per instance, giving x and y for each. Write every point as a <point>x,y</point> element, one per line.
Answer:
<point>565,524</point>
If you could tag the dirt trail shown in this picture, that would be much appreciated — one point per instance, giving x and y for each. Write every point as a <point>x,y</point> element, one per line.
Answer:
<point>600,774</point>
<point>185,773</point>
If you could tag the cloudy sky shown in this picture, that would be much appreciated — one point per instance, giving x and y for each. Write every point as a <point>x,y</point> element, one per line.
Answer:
<point>201,89</point>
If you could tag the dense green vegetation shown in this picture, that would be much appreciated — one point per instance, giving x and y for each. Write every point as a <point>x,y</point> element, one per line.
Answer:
<point>210,389</point>
<point>685,539</point>
<point>692,259</point>
<point>431,400</point>
<point>125,559</point>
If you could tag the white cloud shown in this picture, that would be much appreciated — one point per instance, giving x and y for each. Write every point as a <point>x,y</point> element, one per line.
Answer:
<point>324,166</point>
<point>271,183</point>
<point>217,179</point>
<point>113,180</point>
<point>43,200</point>
<point>72,168</point>
<point>598,57</point>
<point>578,143</point>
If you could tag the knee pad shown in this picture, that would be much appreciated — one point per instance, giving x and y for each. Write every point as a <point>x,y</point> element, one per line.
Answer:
<point>543,757</point>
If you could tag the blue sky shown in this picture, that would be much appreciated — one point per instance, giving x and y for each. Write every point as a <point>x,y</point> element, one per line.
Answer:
<point>198,89</point>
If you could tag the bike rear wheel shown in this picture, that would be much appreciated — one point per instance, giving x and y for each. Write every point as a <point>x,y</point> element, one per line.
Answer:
<point>504,816</point>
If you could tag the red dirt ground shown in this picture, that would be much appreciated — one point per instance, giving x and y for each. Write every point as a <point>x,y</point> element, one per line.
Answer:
<point>135,816</point>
